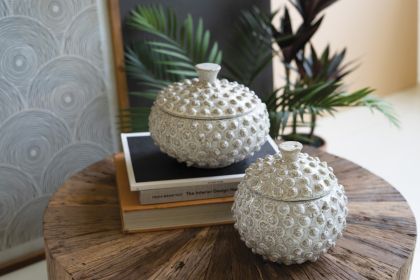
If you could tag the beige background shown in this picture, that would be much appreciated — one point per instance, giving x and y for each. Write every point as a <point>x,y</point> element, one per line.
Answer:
<point>380,35</point>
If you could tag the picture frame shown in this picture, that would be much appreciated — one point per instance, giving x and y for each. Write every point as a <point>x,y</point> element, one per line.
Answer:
<point>115,26</point>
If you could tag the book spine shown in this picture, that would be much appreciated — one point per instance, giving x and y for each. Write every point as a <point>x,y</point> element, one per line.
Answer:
<point>187,193</point>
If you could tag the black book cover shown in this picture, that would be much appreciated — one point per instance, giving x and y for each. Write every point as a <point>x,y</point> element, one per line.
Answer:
<point>149,164</point>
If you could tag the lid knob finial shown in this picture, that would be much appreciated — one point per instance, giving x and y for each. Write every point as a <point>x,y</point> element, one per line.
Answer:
<point>207,72</point>
<point>290,150</point>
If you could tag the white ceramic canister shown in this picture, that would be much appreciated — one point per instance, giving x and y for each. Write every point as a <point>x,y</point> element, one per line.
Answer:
<point>290,208</point>
<point>208,123</point>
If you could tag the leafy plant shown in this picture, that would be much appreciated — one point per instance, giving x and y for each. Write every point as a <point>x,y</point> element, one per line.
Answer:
<point>250,51</point>
<point>168,55</point>
<point>313,83</point>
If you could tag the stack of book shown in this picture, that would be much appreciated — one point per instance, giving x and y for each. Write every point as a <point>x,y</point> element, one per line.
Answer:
<point>156,192</point>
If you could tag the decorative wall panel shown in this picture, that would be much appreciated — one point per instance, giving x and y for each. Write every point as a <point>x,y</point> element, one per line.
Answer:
<point>54,106</point>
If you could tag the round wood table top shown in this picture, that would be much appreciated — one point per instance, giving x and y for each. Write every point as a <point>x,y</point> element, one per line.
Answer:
<point>83,238</point>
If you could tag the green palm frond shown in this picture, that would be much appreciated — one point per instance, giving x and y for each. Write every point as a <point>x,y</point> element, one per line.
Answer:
<point>313,100</point>
<point>168,56</point>
<point>278,122</point>
<point>141,66</point>
<point>376,104</point>
<point>178,47</point>
<point>251,50</point>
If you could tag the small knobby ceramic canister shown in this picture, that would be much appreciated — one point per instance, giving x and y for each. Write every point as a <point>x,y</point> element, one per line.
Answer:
<point>207,122</point>
<point>290,208</point>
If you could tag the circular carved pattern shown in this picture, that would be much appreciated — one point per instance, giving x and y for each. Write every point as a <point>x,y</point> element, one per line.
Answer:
<point>93,124</point>
<point>33,74</point>
<point>208,143</point>
<point>76,157</point>
<point>26,225</point>
<point>10,100</point>
<point>82,37</point>
<point>16,188</point>
<point>54,14</point>
<point>18,62</point>
<point>31,144</point>
<point>64,86</point>
<point>26,45</point>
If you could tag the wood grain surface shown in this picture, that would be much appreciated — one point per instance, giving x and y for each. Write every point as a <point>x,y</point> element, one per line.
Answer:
<point>83,238</point>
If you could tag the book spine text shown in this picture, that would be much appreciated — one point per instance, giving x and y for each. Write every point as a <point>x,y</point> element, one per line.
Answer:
<point>213,190</point>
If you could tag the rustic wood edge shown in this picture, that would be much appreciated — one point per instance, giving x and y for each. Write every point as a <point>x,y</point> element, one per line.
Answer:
<point>55,268</point>
<point>405,270</point>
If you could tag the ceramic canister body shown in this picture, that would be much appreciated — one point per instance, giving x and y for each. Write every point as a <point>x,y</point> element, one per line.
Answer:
<point>209,143</point>
<point>290,231</point>
<point>207,122</point>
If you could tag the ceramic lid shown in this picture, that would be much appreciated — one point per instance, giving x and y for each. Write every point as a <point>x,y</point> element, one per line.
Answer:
<point>290,175</point>
<point>207,97</point>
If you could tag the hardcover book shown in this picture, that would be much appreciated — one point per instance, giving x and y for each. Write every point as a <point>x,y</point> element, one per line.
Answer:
<point>140,218</point>
<point>160,178</point>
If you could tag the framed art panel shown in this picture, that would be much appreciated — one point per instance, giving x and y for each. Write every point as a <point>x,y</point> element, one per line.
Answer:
<point>56,112</point>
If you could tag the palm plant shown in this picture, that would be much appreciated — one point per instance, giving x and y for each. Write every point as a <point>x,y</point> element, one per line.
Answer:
<point>313,84</point>
<point>168,55</point>
<point>250,51</point>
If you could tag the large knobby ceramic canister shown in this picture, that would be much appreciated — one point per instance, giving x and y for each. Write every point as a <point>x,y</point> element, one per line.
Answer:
<point>290,208</point>
<point>207,122</point>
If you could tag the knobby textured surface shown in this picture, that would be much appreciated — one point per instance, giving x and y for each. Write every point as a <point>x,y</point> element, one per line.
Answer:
<point>83,238</point>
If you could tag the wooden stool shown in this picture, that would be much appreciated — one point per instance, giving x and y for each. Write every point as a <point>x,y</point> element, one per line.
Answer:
<point>83,238</point>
